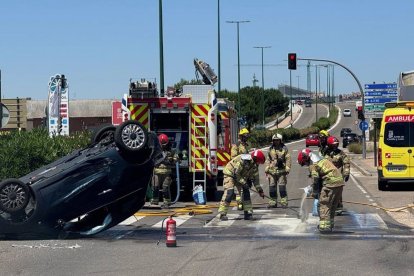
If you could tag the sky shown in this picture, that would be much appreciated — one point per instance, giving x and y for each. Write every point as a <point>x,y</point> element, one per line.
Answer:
<point>100,45</point>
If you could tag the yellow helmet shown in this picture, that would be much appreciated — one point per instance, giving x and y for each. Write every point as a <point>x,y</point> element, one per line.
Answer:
<point>324,133</point>
<point>244,131</point>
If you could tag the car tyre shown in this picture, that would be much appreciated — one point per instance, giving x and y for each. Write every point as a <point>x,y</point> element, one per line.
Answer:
<point>382,185</point>
<point>106,133</point>
<point>131,137</point>
<point>14,196</point>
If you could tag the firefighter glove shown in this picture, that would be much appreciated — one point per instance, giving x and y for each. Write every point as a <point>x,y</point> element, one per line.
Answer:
<point>346,178</point>
<point>261,193</point>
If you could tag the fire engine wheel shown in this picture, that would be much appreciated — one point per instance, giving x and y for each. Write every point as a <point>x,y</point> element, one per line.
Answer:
<point>131,137</point>
<point>105,134</point>
<point>14,196</point>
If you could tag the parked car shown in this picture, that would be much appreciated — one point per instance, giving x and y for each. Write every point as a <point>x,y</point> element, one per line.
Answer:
<point>312,140</point>
<point>347,112</point>
<point>86,192</point>
<point>344,131</point>
<point>308,103</point>
<point>350,138</point>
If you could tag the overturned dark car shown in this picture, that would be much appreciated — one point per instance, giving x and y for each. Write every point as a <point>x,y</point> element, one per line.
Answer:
<point>86,192</point>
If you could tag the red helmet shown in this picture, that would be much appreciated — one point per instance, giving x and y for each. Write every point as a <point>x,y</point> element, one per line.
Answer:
<point>304,156</point>
<point>163,139</point>
<point>332,141</point>
<point>258,157</point>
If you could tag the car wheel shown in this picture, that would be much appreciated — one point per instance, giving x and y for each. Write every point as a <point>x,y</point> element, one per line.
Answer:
<point>105,134</point>
<point>131,136</point>
<point>382,185</point>
<point>14,196</point>
<point>307,146</point>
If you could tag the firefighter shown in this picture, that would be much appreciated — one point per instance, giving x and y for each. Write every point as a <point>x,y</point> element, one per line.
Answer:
<point>323,172</point>
<point>323,138</point>
<point>242,147</point>
<point>341,161</point>
<point>242,172</point>
<point>162,173</point>
<point>277,169</point>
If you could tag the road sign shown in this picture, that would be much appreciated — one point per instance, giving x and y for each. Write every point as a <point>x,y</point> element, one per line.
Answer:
<point>363,125</point>
<point>378,100</point>
<point>381,86</point>
<point>5,115</point>
<point>376,95</point>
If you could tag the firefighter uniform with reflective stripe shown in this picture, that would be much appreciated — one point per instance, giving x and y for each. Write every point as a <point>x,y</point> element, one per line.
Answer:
<point>277,168</point>
<point>237,149</point>
<point>341,161</point>
<point>326,174</point>
<point>162,176</point>
<point>240,172</point>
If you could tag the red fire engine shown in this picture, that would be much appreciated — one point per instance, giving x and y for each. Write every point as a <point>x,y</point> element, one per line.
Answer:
<point>200,126</point>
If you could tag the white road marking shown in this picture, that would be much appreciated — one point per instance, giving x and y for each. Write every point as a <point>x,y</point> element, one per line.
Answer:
<point>216,222</point>
<point>178,220</point>
<point>131,220</point>
<point>369,221</point>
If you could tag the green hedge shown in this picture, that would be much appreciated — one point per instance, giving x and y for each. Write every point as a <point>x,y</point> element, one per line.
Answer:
<point>261,138</point>
<point>25,151</point>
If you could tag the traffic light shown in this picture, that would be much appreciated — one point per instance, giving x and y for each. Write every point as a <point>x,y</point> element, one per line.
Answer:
<point>360,113</point>
<point>292,61</point>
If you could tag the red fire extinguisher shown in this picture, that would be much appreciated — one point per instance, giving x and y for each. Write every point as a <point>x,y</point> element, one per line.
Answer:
<point>171,233</point>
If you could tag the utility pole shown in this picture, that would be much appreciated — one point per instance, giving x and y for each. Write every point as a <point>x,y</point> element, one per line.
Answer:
<point>263,89</point>
<point>238,59</point>
<point>1,107</point>
<point>161,50</point>
<point>218,45</point>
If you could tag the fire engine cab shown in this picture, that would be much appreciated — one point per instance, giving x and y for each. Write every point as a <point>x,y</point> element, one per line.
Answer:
<point>201,127</point>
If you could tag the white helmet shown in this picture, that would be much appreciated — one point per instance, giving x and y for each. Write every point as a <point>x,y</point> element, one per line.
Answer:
<point>277,136</point>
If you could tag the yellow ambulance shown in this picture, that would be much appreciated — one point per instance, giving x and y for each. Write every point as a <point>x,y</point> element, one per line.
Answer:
<point>396,145</point>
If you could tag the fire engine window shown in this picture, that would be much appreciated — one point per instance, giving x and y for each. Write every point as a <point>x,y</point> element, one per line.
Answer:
<point>167,121</point>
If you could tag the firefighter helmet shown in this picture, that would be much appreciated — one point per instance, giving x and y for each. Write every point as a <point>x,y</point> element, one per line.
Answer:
<point>163,139</point>
<point>332,141</point>
<point>277,136</point>
<point>244,131</point>
<point>304,156</point>
<point>324,133</point>
<point>258,156</point>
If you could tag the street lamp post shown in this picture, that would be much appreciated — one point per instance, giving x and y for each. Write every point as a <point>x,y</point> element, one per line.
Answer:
<point>218,46</point>
<point>263,89</point>
<point>161,49</point>
<point>238,58</point>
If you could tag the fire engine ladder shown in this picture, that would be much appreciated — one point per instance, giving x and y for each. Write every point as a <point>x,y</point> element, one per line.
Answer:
<point>199,154</point>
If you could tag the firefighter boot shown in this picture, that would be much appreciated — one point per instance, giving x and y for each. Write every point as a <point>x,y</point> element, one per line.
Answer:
<point>339,209</point>
<point>325,226</point>
<point>166,204</point>
<point>248,215</point>
<point>223,217</point>
<point>156,196</point>
<point>239,203</point>
<point>284,202</point>
<point>273,195</point>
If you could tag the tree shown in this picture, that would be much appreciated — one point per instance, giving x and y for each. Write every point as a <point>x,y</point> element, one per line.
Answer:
<point>183,82</point>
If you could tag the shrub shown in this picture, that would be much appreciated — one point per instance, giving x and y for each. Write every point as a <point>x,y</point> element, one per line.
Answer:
<point>355,148</point>
<point>22,152</point>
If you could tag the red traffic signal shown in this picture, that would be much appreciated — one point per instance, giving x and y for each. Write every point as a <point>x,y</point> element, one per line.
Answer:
<point>292,61</point>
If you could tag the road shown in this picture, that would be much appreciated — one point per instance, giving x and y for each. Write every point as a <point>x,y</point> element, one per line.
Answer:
<point>308,116</point>
<point>365,241</point>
